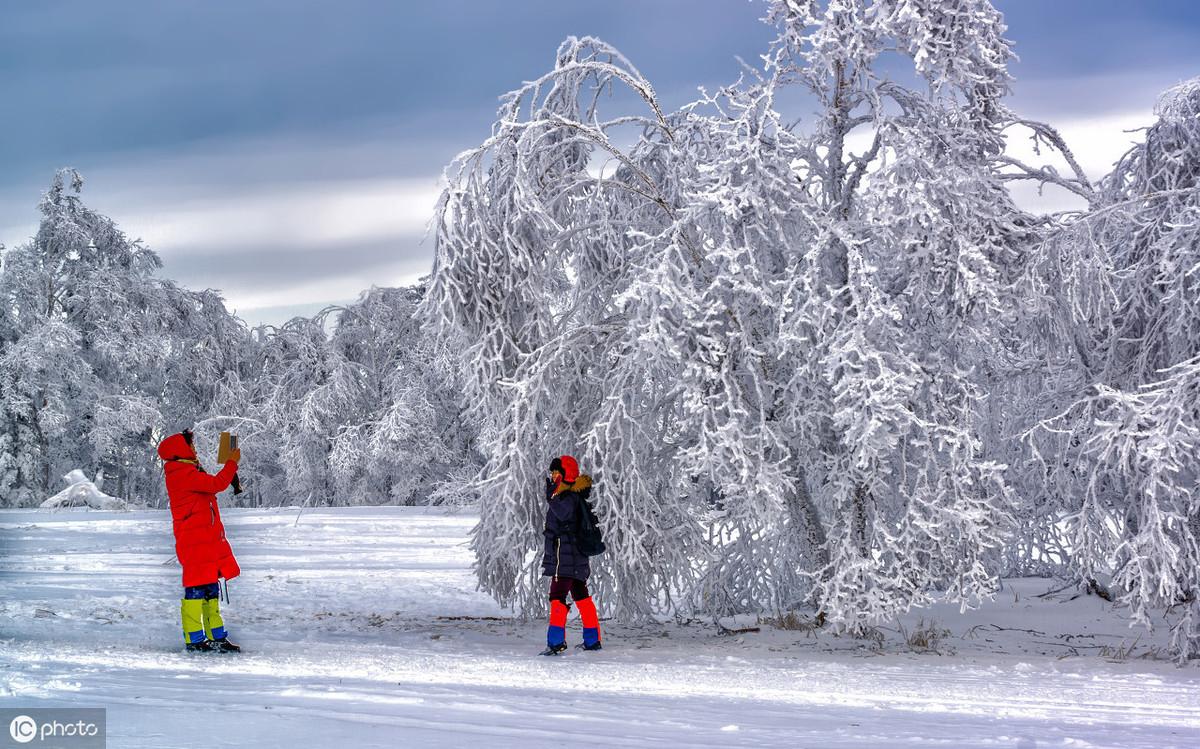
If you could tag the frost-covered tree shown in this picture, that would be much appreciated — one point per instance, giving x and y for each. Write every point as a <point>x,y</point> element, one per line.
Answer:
<point>287,450</point>
<point>100,354</point>
<point>403,437</point>
<point>1118,444</point>
<point>369,413</point>
<point>907,304</point>
<point>763,336</point>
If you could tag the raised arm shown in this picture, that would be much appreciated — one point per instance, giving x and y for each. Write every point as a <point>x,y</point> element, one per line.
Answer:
<point>202,482</point>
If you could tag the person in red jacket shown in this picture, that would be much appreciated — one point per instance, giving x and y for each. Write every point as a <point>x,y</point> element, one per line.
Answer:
<point>200,541</point>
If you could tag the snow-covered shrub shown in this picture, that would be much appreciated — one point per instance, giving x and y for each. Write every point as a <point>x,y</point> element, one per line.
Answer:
<point>82,492</point>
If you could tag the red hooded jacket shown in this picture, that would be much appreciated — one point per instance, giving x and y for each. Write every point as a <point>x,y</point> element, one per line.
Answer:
<point>199,534</point>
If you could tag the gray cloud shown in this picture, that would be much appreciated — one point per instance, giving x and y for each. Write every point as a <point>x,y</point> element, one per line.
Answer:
<point>1060,98</point>
<point>257,217</point>
<point>271,270</point>
<point>127,75</point>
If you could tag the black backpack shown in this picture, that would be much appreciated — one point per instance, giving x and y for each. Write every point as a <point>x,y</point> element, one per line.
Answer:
<point>588,538</point>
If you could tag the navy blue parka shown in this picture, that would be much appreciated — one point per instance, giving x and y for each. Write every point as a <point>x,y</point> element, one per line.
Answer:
<point>562,557</point>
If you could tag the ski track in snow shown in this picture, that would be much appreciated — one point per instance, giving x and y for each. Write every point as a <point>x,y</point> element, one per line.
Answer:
<point>340,615</point>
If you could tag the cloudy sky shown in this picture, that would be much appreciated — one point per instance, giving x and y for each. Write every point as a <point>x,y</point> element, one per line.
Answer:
<point>288,152</point>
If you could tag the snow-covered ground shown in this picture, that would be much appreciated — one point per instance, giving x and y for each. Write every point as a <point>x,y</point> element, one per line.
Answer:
<point>362,628</point>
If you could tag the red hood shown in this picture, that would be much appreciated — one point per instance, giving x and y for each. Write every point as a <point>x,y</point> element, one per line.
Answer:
<point>570,469</point>
<point>175,447</point>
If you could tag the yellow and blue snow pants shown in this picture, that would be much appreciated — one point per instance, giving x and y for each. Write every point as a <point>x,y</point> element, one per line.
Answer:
<point>201,612</point>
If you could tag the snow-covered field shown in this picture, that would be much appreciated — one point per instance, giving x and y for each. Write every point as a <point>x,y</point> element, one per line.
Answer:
<point>362,628</point>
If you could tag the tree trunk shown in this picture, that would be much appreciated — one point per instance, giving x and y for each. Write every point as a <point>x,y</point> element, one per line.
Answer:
<point>858,520</point>
<point>807,520</point>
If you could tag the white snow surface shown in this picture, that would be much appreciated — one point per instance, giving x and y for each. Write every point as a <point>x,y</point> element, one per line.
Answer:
<point>362,628</point>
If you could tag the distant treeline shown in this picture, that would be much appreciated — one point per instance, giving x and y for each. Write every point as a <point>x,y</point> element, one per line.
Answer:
<point>100,358</point>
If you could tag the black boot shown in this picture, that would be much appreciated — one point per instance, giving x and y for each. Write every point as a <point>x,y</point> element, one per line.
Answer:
<point>594,646</point>
<point>554,649</point>
<point>204,646</point>
<point>223,645</point>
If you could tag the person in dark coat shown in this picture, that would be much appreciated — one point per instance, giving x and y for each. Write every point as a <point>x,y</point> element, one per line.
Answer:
<point>200,543</point>
<point>567,567</point>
